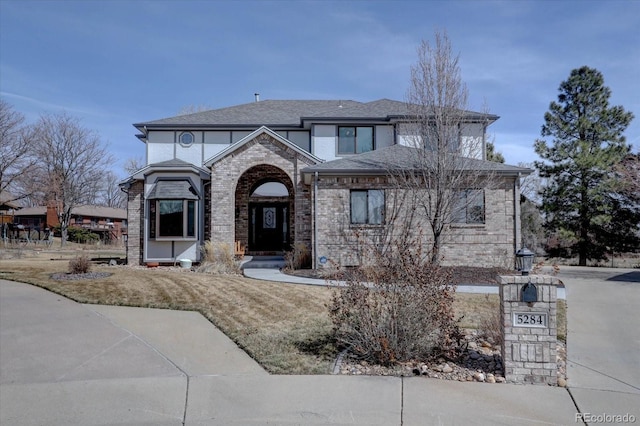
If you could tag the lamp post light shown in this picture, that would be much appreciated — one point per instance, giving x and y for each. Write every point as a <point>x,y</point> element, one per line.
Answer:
<point>524,260</point>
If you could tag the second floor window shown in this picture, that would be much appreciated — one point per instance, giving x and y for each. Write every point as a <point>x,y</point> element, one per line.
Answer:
<point>355,140</point>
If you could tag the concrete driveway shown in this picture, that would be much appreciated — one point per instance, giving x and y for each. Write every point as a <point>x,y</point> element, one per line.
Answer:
<point>603,339</point>
<point>66,363</point>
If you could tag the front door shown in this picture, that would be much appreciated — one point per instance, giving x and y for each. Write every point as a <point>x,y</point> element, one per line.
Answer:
<point>268,226</point>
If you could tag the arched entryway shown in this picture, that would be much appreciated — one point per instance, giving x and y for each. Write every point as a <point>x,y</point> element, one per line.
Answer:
<point>264,210</point>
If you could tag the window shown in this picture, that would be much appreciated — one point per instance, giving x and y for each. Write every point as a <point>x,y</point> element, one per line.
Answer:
<point>172,218</point>
<point>469,206</point>
<point>355,140</point>
<point>186,138</point>
<point>367,206</point>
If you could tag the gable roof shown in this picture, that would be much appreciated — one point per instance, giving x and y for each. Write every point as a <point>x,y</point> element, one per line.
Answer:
<point>400,157</point>
<point>290,113</point>
<point>251,136</point>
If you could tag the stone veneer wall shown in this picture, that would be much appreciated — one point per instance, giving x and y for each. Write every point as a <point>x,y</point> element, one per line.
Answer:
<point>135,220</point>
<point>226,172</point>
<point>529,353</point>
<point>489,244</point>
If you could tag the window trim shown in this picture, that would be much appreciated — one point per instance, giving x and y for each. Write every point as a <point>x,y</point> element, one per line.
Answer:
<point>355,145</point>
<point>188,215</point>
<point>193,138</point>
<point>367,222</point>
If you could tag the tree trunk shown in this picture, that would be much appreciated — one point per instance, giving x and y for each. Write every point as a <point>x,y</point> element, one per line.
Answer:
<point>435,253</point>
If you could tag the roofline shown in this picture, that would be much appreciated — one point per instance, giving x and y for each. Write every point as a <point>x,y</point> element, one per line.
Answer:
<point>149,168</point>
<point>307,172</point>
<point>145,127</point>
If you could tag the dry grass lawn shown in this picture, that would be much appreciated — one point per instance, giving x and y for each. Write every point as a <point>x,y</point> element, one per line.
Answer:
<point>285,327</point>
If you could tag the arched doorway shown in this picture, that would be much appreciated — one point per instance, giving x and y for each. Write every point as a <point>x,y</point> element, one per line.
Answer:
<point>264,210</point>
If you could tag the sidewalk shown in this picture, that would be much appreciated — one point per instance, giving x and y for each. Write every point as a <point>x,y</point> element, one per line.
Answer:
<point>272,274</point>
<point>66,363</point>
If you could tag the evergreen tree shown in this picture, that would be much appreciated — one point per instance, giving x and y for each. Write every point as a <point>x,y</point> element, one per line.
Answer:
<point>493,155</point>
<point>587,143</point>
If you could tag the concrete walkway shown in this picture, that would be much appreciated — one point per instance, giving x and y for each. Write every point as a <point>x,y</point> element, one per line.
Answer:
<point>274,274</point>
<point>66,363</point>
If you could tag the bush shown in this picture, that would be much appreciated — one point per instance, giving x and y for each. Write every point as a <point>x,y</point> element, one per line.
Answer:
<point>397,310</point>
<point>79,265</point>
<point>218,258</point>
<point>81,235</point>
<point>298,258</point>
<point>490,328</point>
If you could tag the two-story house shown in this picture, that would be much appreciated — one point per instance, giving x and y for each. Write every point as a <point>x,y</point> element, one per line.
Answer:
<point>273,174</point>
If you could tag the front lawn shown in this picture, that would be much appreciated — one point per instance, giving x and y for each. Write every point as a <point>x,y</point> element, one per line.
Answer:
<point>285,327</point>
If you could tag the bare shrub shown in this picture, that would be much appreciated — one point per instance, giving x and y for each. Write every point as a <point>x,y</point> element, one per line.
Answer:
<point>79,265</point>
<point>298,258</point>
<point>491,328</point>
<point>396,309</point>
<point>218,258</point>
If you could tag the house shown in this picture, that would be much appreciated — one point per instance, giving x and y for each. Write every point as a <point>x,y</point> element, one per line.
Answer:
<point>275,174</point>
<point>108,222</point>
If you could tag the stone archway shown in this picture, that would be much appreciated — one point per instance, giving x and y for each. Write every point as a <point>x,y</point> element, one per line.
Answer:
<point>264,222</point>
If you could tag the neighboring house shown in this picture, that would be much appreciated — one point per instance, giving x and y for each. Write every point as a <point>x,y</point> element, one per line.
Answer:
<point>108,222</point>
<point>271,175</point>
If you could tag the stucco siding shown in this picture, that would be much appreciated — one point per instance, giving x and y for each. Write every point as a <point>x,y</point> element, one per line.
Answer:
<point>324,141</point>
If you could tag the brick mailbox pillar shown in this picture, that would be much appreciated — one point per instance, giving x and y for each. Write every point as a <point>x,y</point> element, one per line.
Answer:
<point>528,308</point>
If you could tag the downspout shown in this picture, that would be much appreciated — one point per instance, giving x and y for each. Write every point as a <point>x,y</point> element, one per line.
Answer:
<point>315,224</point>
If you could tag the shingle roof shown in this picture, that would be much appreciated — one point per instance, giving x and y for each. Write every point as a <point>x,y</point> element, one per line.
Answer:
<point>400,157</point>
<point>268,112</point>
<point>274,113</point>
<point>173,190</point>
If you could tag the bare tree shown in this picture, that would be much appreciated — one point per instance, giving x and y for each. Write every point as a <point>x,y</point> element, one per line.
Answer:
<point>110,194</point>
<point>71,161</point>
<point>15,159</point>
<point>446,176</point>
<point>192,109</point>
<point>132,165</point>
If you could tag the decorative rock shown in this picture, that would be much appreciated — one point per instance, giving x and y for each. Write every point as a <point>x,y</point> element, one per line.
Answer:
<point>562,382</point>
<point>479,377</point>
<point>447,369</point>
<point>490,378</point>
<point>500,379</point>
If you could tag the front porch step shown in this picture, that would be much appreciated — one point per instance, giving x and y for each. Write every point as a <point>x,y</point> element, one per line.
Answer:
<point>264,262</point>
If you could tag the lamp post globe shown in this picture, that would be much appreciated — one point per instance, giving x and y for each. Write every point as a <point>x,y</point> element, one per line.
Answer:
<point>524,260</point>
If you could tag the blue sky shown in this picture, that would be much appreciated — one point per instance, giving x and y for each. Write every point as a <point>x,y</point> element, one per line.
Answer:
<point>114,63</point>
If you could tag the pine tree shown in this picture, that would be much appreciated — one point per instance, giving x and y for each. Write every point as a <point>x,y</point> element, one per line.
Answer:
<point>588,142</point>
